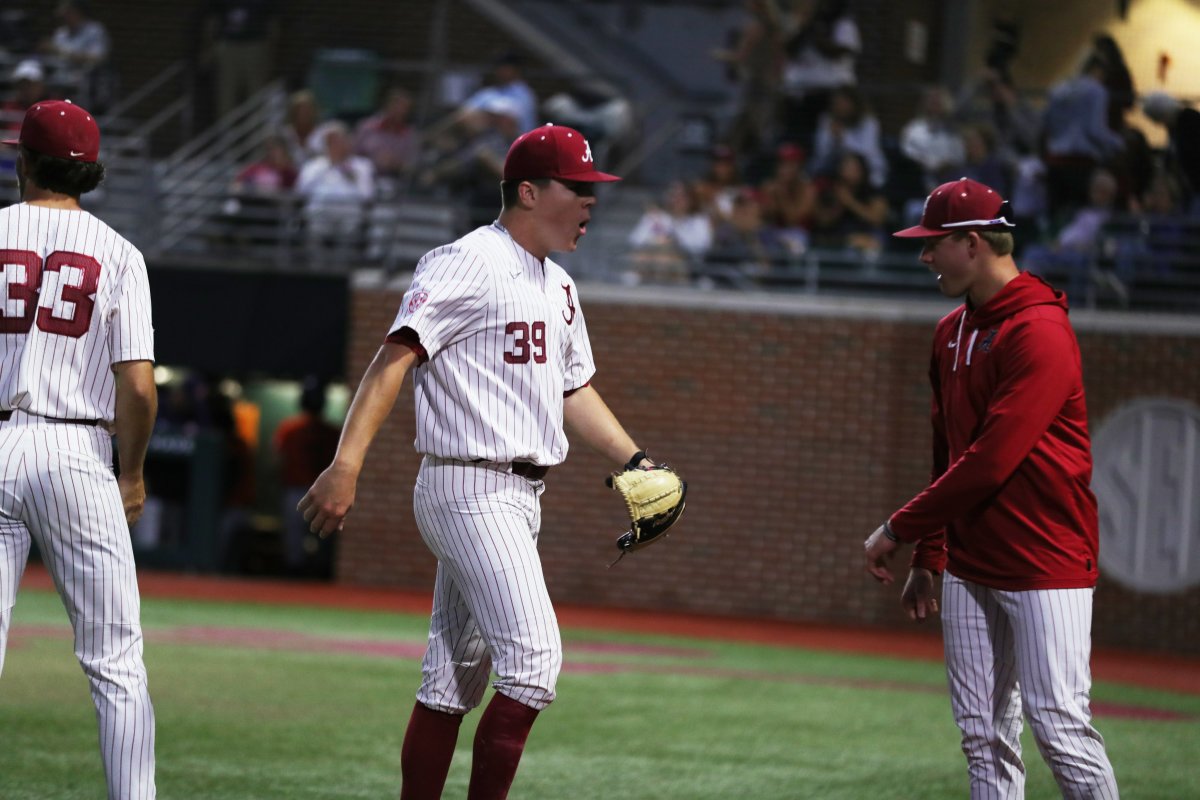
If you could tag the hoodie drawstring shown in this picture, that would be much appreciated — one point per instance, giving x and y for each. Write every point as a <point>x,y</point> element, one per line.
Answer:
<point>958,339</point>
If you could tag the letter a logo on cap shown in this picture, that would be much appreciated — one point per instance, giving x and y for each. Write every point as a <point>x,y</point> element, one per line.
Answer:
<point>587,153</point>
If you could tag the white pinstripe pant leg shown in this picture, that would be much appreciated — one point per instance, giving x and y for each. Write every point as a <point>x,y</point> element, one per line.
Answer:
<point>14,552</point>
<point>14,536</point>
<point>74,511</point>
<point>981,671</point>
<point>482,525</point>
<point>1053,630</point>
<point>454,672</point>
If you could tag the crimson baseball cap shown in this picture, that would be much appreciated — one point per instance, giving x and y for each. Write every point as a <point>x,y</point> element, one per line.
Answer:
<point>60,129</point>
<point>963,204</point>
<point>552,151</point>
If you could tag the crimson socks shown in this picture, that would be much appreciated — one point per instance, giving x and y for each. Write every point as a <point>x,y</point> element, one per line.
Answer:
<point>425,757</point>
<point>499,742</point>
<point>429,746</point>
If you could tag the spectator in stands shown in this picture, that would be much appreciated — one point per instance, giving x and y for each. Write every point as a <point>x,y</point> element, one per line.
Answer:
<point>1077,137</point>
<point>1183,126</point>
<point>1163,195</point>
<point>390,141</point>
<point>602,119</point>
<point>1078,243</point>
<point>669,238</point>
<point>849,211</point>
<point>302,129</point>
<point>744,242</point>
<point>849,127</point>
<point>240,37</point>
<point>83,44</point>
<point>271,175</point>
<point>1134,164</point>
<point>506,82</point>
<point>932,139</point>
<point>1117,79</point>
<point>1154,242</point>
<point>259,194</point>
<point>822,44</point>
<point>28,87</point>
<point>721,184</point>
<point>789,198</point>
<point>983,163</point>
<point>336,187</point>
<point>754,62</point>
<point>304,443</point>
<point>472,167</point>
<point>994,100</point>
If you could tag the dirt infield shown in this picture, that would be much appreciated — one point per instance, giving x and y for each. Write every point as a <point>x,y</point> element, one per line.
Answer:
<point>1156,671</point>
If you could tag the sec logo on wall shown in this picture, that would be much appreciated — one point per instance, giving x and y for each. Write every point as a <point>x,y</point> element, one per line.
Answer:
<point>1147,483</point>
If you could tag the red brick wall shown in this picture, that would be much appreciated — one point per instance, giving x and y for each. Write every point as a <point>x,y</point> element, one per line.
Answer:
<point>798,434</point>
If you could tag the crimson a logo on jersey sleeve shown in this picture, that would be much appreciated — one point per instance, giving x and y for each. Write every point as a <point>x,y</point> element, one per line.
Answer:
<point>570,305</point>
<point>415,301</point>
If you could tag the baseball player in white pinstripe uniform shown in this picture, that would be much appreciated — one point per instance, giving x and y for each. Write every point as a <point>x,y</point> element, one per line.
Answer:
<point>494,333</point>
<point>76,350</point>
<point>1009,515</point>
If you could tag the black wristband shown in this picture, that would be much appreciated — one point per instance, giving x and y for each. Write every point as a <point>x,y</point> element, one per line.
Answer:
<point>635,459</point>
<point>889,533</point>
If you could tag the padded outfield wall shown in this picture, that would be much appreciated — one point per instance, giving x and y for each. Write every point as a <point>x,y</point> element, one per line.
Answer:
<point>799,425</point>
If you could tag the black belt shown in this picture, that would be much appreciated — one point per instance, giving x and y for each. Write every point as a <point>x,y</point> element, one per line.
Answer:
<point>522,469</point>
<point>5,416</point>
<point>529,470</point>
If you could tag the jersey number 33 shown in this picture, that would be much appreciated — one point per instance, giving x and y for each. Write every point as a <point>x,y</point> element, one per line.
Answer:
<point>23,274</point>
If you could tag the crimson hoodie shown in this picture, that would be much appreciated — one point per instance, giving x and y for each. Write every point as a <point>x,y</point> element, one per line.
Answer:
<point>1009,505</point>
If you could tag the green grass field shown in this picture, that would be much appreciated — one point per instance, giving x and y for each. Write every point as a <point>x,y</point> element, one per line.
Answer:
<point>295,710</point>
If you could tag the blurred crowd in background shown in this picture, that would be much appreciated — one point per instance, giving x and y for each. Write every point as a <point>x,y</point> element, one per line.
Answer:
<point>800,164</point>
<point>804,163</point>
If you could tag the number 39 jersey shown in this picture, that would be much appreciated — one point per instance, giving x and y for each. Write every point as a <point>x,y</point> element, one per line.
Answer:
<point>504,340</point>
<point>74,300</point>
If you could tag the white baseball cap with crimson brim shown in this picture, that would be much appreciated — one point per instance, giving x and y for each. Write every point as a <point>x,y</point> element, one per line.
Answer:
<point>60,129</point>
<point>959,205</point>
<point>553,151</point>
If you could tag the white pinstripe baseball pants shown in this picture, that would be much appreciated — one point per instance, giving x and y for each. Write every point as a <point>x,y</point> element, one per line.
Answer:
<point>490,604</point>
<point>1008,652</point>
<point>57,485</point>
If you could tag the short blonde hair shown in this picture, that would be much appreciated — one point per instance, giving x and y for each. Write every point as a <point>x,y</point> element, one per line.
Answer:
<point>1000,242</point>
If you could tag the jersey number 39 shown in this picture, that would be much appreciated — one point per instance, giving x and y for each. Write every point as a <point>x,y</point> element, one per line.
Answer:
<point>25,286</point>
<point>524,339</point>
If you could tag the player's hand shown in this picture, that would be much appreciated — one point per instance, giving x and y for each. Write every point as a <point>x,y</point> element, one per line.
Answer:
<point>918,597</point>
<point>878,549</point>
<point>133,496</point>
<point>327,503</point>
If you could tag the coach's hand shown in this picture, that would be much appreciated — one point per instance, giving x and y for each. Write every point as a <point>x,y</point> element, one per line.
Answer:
<point>327,503</point>
<point>878,549</point>
<point>133,496</point>
<point>918,597</point>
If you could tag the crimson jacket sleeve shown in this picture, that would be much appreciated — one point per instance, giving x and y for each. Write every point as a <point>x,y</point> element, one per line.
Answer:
<point>1037,374</point>
<point>930,551</point>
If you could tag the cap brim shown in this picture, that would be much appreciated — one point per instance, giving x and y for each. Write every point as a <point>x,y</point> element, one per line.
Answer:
<point>590,177</point>
<point>11,142</point>
<point>920,232</point>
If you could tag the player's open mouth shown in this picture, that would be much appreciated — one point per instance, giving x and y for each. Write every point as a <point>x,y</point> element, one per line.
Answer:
<point>583,227</point>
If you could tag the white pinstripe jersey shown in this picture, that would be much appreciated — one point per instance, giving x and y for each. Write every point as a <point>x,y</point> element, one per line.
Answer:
<point>505,339</point>
<point>74,300</point>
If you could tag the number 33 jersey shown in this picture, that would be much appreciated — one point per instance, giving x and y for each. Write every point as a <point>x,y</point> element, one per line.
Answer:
<point>502,339</point>
<point>74,300</point>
